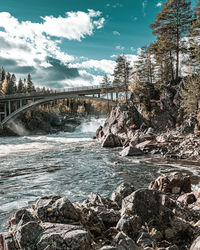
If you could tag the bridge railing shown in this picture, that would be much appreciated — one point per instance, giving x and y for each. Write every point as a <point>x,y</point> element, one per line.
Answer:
<point>64,90</point>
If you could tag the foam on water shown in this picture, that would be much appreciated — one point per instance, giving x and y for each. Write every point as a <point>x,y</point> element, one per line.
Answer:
<point>71,165</point>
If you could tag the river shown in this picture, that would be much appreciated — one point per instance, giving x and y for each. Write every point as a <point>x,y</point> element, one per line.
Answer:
<point>71,165</point>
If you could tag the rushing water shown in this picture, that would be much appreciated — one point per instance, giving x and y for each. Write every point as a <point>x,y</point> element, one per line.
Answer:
<point>72,165</point>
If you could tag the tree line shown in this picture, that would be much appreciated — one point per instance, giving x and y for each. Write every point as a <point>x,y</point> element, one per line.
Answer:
<point>177,31</point>
<point>9,84</point>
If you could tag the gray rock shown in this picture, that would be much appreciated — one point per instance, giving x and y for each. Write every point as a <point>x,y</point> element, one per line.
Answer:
<point>111,141</point>
<point>174,183</point>
<point>55,209</point>
<point>62,236</point>
<point>109,217</point>
<point>27,235</point>
<point>23,216</point>
<point>130,225</point>
<point>121,192</point>
<point>7,242</point>
<point>131,151</point>
<point>148,205</point>
<point>124,242</point>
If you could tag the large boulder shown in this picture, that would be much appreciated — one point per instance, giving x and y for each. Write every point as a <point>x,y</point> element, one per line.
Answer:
<point>130,225</point>
<point>111,141</point>
<point>121,192</point>
<point>149,205</point>
<point>26,235</point>
<point>55,209</point>
<point>124,242</point>
<point>174,183</point>
<point>62,236</point>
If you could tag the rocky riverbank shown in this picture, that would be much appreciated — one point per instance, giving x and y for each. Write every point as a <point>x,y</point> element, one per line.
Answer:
<point>126,127</point>
<point>164,216</point>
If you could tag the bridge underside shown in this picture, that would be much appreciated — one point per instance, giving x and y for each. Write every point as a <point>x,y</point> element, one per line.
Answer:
<point>11,108</point>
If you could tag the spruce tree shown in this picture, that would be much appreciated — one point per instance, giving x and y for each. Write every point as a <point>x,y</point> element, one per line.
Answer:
<point>29,85</point>
<point>144,65</point>
<point>3,75</point>
<point>21,87</point>
<point>174,19</point>
<point>105,84</point>
<point>9,86</point>
<point>122,73</point>
<point>195,37</point>
<point>190,95</point>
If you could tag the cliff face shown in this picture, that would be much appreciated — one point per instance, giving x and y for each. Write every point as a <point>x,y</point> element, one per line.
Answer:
<point>153,126</point>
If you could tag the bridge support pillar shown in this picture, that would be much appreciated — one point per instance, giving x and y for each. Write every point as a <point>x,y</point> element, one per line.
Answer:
<point>111,94</point>
<point>5,110</point>
<point>117,96</point>
<point>9,107</point>
<point>20,103</point>
<point>99,95</point>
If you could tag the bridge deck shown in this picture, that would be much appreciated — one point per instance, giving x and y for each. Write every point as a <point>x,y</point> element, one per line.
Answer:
<point>91,90</point>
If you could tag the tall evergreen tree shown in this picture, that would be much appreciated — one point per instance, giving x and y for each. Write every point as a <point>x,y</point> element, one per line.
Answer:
<point>190,95</point>
<point>144,65</point>
<point>7,87</point>
<point>21,87</point>
<point>122,73</point>
<point>174,19</point>
<point>29,85</point>
<point>195,37</point>
<point>105,84</point>
<point>3,75</point>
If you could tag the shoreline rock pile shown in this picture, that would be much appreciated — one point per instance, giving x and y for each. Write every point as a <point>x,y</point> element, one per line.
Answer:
<point>164,216</point>
<point>126,127</point>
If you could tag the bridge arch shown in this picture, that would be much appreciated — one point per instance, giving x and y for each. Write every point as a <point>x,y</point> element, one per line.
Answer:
<point>34,103</point>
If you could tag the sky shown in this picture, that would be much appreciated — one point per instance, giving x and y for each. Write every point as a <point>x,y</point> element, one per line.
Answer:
<point>65,43</point>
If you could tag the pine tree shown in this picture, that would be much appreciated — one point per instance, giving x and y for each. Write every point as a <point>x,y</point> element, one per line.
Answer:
<point>3,75</point>
<point>122,73</point>
<point>174,19</point>
<point>190,95</point>
<point>144,65</point>
<point>21,87</point>
<point>105,84</point>
<point>195,37</point>
<point>9,86</point>
<point>29,85</point>
<point>13,85</point>
<point>162,51</point>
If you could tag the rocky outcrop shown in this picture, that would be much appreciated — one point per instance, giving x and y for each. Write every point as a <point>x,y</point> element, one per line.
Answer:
<point>174,183</point>
<point>142,219</point>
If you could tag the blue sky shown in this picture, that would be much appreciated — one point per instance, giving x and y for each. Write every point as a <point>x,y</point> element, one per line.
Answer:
<point>71,42</point>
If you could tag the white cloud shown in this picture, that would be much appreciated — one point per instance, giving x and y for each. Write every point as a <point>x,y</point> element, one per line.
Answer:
<point>106,66</point>
<point>159,4</point>
<point>116,33</point>
<point>27,45</point>
<point>113,56</point>
<point>73,26</point>
<point>119,47</point>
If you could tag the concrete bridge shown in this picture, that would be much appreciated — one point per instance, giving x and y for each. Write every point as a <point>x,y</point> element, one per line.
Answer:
<point>12,105</point>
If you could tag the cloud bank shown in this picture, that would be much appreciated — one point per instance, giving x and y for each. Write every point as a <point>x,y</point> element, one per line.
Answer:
<point>34,47</point>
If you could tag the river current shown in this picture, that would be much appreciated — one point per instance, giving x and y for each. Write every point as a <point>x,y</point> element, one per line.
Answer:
<point>71,165</point>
